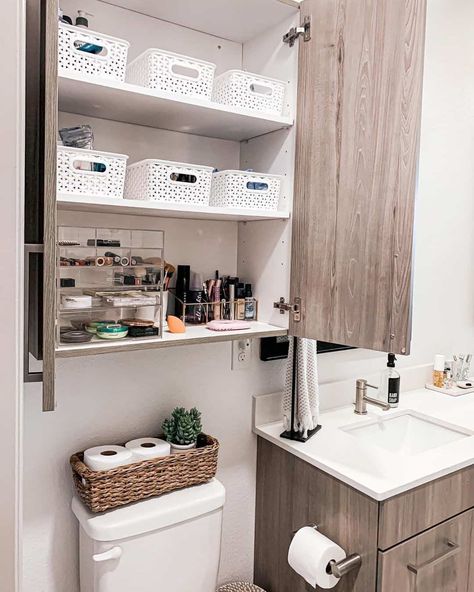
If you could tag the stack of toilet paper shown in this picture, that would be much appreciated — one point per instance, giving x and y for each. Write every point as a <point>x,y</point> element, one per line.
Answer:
<point>103,458</point>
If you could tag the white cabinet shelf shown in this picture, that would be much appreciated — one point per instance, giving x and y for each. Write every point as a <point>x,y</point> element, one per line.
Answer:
<point>193,335</point>
<point>110,205</point>
<point>128,103</point>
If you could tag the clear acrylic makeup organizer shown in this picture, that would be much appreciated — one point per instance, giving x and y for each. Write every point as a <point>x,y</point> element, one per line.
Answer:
<point>82,258</point>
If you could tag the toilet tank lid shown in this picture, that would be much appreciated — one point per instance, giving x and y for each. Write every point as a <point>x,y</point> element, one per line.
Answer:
<point>152,514</point>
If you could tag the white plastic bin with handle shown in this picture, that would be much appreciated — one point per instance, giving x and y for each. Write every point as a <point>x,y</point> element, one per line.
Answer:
<point>172,73</point>
<point>90,172</point>
<point>248,91</point>
<point>110,63</point>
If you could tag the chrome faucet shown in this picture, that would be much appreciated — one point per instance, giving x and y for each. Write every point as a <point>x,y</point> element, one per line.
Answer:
<point>362,399</point>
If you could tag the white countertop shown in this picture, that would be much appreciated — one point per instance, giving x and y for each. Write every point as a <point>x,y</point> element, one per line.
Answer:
<point>376,471</point>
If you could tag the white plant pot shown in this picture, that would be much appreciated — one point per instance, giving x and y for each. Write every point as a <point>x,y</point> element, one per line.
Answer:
<point>175,448</point>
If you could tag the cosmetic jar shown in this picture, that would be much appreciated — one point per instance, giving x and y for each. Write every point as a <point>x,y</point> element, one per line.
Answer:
<point>112,331</point>
<point>94,325</point>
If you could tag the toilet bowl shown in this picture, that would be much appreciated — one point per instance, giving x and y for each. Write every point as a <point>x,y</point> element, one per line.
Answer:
<point>165,544</point>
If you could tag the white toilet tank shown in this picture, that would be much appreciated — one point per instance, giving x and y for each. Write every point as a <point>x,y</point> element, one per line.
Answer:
<point>165,544</point>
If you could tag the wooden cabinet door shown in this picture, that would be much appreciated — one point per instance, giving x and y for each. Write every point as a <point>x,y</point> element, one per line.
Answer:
<point>358,124</point>
<point>40,188</point>
<point>435,561</point>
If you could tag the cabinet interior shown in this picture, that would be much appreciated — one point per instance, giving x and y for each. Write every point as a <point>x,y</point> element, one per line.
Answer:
<point>256,250</point>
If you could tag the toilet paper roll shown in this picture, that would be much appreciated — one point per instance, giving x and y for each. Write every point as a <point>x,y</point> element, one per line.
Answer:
<point>103,458</point>
<point>309,555</point>
<point>146,448</point>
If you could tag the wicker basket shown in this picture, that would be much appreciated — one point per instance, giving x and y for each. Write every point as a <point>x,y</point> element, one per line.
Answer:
<point>103,490</point>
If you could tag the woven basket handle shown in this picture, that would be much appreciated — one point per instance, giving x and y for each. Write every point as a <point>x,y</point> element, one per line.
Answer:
<point>85,158</point>
<point>85,39</point>
<point>260,88</point>
<point>186,70</point>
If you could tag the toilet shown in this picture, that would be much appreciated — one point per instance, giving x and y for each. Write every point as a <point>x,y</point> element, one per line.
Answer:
<point>165,544</point>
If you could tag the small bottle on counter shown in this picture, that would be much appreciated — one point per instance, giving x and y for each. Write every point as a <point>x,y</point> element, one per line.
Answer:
<point>449,382</point>
<point>390,383</point>
<point>438,371</point>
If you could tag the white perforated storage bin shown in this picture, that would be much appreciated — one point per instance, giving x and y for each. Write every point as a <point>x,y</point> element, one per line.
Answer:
<point>241,189</point>
<point>90,172</point>
<point>110,63</point>
<point>173,73</point>
<point>249,91</point>
<point>170,182</point>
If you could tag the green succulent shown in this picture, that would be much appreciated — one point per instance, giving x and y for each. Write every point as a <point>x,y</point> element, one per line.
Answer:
<point>182,427</point>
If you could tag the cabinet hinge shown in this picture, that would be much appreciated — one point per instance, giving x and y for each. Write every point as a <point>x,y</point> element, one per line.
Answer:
<point>294,309</point>
<point>295,32</point>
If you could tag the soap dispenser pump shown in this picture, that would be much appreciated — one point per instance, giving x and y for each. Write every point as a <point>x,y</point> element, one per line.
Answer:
<point>390,383</point>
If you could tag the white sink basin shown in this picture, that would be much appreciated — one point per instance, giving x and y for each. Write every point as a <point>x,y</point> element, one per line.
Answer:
<point>407,433</point>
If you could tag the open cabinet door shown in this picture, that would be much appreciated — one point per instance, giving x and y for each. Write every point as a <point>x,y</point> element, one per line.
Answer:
<point>358,127</point>
<point>40,194</point>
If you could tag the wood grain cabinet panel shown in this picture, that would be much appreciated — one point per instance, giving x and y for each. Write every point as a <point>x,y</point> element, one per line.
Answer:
<point>435,561</point>
<point>418,509</point>
<point>430,528</point>
<point>292,494</point>
<point>358,124</point>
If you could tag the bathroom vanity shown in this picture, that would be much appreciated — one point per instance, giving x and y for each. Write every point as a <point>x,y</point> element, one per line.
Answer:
<point>407,510</point>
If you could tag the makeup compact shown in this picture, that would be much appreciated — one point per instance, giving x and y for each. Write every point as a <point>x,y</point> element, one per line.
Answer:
<point>136,322</point>
<point>75,337</point>
<point>94,325</point>
<point>140,327</point>
<point>112,331</point>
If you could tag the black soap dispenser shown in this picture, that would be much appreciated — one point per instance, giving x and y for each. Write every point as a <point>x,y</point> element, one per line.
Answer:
<point>390,383</point>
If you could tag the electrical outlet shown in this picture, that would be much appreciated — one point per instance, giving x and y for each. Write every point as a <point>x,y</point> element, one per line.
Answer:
<point>241,354</point>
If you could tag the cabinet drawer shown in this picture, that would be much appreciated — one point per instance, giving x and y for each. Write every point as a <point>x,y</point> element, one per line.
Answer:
<point>436,561</point>
<point>414,511</point>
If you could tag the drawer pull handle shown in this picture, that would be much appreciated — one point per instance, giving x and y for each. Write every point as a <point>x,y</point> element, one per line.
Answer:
<point>453,549</point>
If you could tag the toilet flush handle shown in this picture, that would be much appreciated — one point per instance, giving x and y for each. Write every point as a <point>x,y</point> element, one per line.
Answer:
<point>113,553</point>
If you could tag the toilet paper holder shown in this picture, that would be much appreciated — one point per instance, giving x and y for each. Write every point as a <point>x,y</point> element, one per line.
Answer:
<point>340,568</point>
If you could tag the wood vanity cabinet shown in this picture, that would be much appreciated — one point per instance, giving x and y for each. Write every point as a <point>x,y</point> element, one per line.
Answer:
<point>419,541</point>
<point>438,560</point>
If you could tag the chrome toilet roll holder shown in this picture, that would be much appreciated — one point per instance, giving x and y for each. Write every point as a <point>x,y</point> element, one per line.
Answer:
<point>343,567</point>
<point>340,568</point>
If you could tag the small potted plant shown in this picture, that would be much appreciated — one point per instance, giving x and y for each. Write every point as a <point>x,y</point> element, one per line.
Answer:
<point>182,428</point>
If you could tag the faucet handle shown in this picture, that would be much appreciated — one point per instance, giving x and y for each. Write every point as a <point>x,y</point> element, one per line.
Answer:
<point>361,383</point>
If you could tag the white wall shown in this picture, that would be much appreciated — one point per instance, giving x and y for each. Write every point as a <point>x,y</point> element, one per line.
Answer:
<point>11,292</point>
<point>116,397</point>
